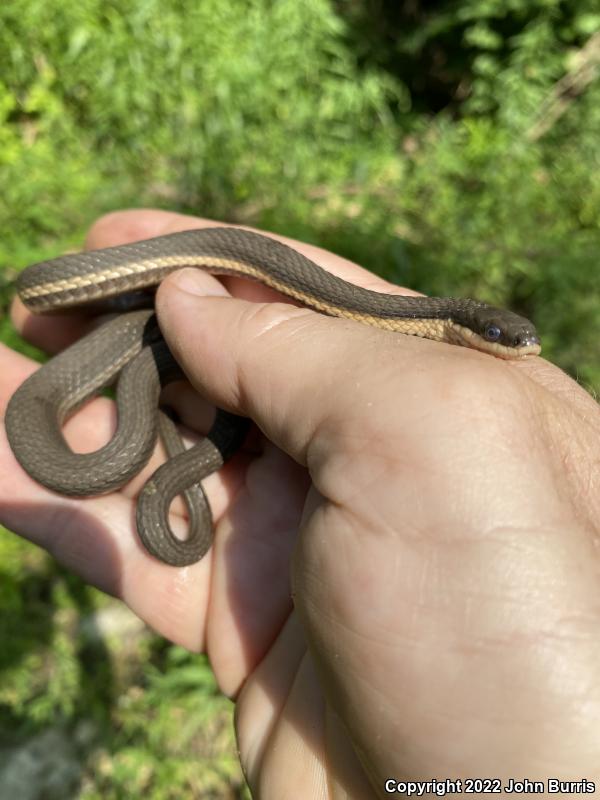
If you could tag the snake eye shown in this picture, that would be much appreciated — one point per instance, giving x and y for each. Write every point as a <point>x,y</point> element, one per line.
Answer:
<point>492,333</point>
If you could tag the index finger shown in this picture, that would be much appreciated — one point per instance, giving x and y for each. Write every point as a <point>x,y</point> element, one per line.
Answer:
<point>132,225</point>
<point>53,333</point>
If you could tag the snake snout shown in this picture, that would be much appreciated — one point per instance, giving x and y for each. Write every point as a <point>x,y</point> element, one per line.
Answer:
<point>526,339</point>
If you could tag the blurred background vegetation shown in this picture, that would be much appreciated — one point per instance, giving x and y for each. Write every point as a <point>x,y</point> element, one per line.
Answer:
<point>451,146</point>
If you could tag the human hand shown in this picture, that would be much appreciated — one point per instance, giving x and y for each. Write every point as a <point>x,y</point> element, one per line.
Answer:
<point>439,509</point>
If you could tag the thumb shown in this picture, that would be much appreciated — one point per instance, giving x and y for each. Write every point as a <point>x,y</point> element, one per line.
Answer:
<point>282,365</point>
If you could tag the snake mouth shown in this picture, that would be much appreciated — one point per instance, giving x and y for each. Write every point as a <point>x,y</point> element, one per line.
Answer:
<point>460,334</point>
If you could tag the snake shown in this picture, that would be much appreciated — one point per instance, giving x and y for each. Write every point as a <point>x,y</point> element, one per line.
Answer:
<point>129,352</point>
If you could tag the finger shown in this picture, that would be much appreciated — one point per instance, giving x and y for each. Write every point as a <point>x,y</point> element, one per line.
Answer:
<point>54,333</point>
<point>91,427</point>
<point>96,536</point>
<point>135,224</point>
<point>280,365</point>
<point>94,425</point>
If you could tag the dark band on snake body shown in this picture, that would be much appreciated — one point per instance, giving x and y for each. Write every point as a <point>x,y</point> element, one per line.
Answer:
<point>40,406</point>
<point>85,277</point>
<point>181,474</point>
<point>132,346</point>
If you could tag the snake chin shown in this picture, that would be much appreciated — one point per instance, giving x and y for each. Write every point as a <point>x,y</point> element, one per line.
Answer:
<point>461,335</point>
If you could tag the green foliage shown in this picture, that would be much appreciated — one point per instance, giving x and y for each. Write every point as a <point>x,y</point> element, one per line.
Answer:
<point>489,215</point>
<point>177,101</point>
<point>456,53</point>
<point>142,716</point>
<point>478,202</point>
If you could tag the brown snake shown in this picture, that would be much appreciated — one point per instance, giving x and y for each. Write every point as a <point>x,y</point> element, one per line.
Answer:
<point>131,346</point>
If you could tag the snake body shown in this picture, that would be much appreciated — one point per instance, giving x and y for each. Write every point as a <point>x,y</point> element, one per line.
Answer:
<point>131,346</point>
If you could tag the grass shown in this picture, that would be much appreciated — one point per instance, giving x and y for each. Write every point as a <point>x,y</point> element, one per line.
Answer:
<point>120,711</point>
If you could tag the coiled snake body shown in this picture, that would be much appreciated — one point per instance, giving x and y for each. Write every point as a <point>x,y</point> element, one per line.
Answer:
<point>131,346</point>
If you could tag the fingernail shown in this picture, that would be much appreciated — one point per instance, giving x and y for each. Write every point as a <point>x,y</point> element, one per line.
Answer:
<point>194,281</point>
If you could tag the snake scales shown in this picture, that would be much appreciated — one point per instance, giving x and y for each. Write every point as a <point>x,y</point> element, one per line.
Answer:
<point>131,348</point>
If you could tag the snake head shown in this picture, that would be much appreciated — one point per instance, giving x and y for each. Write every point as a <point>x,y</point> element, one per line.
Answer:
<point>500,332</point>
